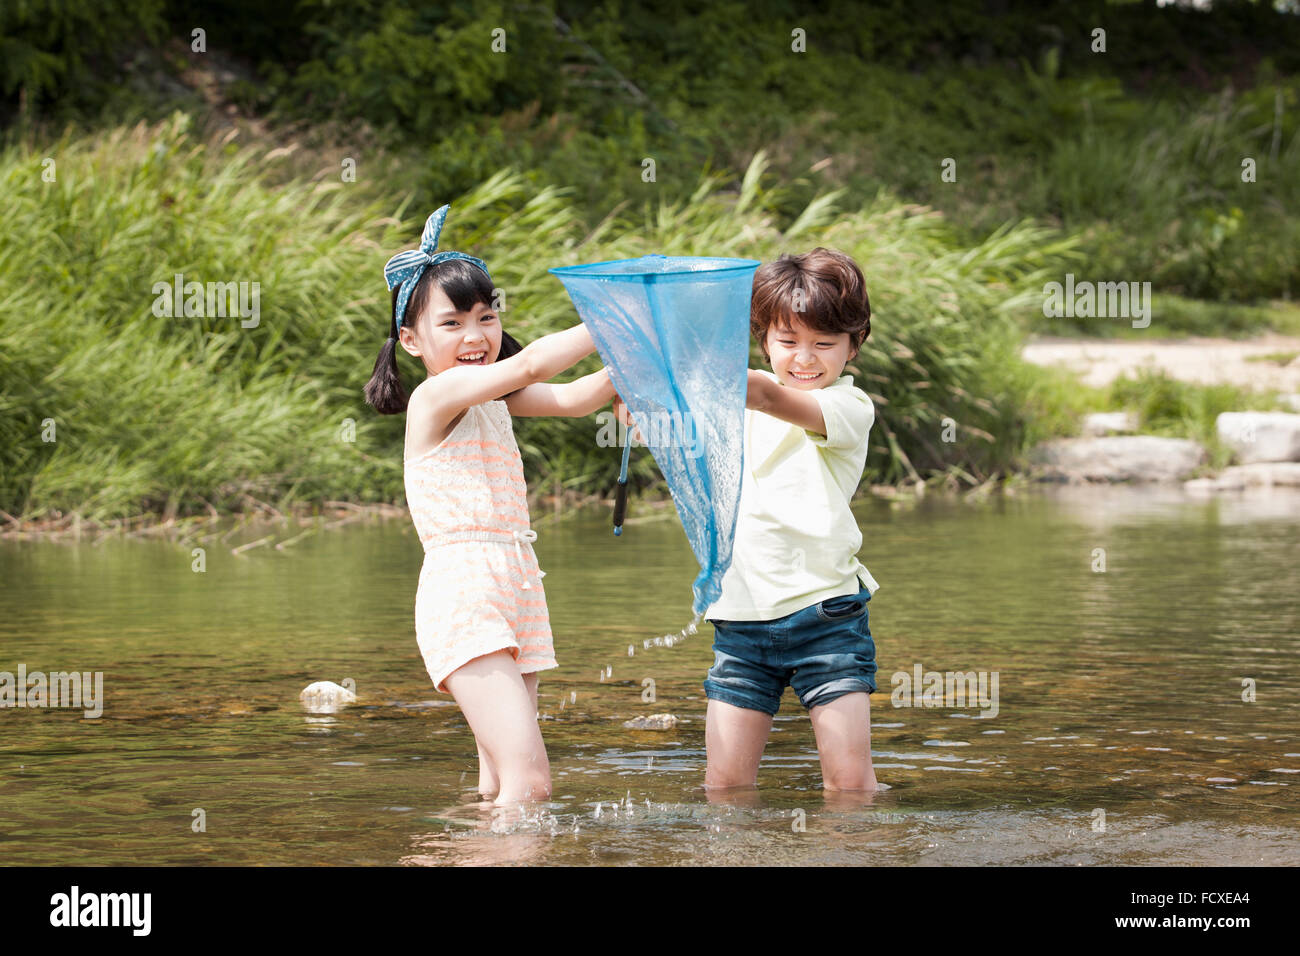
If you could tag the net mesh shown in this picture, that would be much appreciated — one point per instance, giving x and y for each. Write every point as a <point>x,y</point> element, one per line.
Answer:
<point>674,333</point>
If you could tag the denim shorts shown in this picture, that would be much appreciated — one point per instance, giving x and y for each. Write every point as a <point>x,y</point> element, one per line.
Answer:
<point>823,651</point>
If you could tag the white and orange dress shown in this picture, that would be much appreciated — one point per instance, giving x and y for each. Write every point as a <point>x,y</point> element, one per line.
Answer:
<point>480,587</point>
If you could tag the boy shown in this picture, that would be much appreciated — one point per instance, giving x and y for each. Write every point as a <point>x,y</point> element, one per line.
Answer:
<point>793,608</point>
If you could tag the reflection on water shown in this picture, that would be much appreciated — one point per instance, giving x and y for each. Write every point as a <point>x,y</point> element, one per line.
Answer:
<point>1146,712</point>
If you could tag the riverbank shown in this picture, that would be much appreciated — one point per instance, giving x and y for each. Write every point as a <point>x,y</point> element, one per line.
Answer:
<point>1163,426</point>
<point>200,529</point>
<point>128,410</point>
<point>1269,361</point>
<point>264,525</point>
<point>270,528</point>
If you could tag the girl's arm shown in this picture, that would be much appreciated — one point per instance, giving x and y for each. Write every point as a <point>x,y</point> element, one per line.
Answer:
<point>788,404</point>
<point>449,393</point>
<point>572,400</point>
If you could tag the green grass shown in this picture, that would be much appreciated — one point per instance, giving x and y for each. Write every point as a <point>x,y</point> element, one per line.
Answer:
<point>154,414</point>
<point>1060,168</point>
<point>1175,316</point>
<point>1277,358</point>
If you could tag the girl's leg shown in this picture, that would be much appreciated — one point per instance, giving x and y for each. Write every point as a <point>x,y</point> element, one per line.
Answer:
<point>843,729</point>
<point>734,738</point>
<point>488,782</point>
<point>530,683</point>
<point>503,715</point>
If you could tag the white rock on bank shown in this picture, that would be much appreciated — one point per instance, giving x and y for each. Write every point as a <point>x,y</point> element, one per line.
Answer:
<point>1266,473</point>
<point>1210,486</point>
<point>1097,424</point>
<point>1118,458</point>
<point>1292,400</point>
<point>1260,436</point>
<point>1261,474</point>
<point>326,697</point>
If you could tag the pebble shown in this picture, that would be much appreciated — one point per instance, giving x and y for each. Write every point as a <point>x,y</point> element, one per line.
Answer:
<point>653,722</point>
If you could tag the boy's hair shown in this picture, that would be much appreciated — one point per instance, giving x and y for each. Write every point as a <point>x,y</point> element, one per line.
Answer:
<point>466,285</point>
<point>833,293</point>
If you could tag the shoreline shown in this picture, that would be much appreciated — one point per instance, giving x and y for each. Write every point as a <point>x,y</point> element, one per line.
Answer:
<point>304,520</point>
<point>301,519</point>
<point>195,528</point>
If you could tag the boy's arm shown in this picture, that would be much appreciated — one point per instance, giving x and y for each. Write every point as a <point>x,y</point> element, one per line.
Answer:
<point>788,404</point>
<point>571,400</point>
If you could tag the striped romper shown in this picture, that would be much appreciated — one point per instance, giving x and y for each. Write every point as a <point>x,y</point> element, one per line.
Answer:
<point>480,587</point>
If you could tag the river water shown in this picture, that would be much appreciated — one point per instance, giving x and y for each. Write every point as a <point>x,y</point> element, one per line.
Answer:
<point>1145,646</point>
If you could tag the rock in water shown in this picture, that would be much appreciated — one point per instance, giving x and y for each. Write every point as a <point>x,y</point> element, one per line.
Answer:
<point>326,697</point>
<point>1118,458</point>
<point>653,722</point>
<point>1260,474</point>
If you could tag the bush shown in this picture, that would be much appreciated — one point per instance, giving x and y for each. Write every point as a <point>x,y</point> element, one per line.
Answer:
<point>180,412</point>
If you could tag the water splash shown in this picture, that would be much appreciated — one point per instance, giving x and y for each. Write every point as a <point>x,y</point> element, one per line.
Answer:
<point>671,640</point>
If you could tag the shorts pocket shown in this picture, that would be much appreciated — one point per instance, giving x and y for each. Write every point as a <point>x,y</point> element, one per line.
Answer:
<point>842,608</point>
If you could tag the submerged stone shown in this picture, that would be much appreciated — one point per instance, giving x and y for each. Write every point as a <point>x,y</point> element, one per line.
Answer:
<point>653,722</point>
<point>326,697</point>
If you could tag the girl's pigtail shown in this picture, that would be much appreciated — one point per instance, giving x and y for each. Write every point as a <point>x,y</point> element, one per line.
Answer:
<point>509,347</point>
<point>384,391</point>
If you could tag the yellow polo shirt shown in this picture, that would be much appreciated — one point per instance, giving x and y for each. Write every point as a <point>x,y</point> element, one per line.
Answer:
<point>796,539</point>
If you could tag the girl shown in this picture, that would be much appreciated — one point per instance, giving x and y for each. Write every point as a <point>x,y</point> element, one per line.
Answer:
<point>480,611</point>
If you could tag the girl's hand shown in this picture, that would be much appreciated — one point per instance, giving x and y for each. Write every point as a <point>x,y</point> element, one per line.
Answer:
<point>452,391</point>
<point>791,405</point>
<point>624,416</point>
<point>757,393</point>
<point>620,410</point>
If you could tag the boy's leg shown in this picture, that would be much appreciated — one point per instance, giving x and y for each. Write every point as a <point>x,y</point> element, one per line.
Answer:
<point>502,713</point>
<point>843,729</point>
<point>734,738</point>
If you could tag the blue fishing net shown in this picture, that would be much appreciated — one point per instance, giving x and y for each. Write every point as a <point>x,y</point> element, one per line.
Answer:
<point>674,333</point>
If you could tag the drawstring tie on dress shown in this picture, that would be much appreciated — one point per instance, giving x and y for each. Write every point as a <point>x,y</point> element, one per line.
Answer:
<point>520,537</point>
<point>517,538</point>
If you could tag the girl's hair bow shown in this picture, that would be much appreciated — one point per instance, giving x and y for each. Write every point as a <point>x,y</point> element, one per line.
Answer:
<point>405,268</point>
